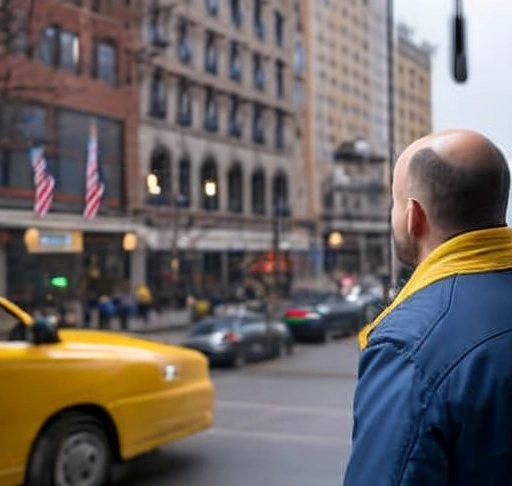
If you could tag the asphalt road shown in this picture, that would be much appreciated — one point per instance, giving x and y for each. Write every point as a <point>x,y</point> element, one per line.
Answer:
<point>278,423</point>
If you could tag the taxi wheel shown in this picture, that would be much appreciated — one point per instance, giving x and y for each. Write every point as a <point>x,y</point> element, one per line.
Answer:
<point>73,451</point>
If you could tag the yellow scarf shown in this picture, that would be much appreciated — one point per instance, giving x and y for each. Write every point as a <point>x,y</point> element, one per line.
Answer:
<point>473,252</point>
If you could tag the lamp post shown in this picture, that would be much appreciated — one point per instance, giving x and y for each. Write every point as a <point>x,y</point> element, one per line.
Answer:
<point>280,211</point>
<point>390,28</point>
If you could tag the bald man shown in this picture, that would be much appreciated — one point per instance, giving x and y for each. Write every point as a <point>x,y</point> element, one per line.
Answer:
<point>433,404</point>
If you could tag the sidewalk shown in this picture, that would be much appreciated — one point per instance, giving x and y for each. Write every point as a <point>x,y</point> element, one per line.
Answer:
<point>164,321</point>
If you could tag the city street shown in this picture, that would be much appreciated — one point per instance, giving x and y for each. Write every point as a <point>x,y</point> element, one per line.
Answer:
<point>278,423</point>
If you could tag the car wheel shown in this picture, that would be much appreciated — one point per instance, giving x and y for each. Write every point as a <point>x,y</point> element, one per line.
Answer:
<point>281,349</point>
<point>239,360</point>
<point>327,336</point>
<point>73,451</point>
<point>290,348</point>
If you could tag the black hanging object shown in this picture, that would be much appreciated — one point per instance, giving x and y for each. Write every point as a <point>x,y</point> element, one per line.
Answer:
<point>460,69</point>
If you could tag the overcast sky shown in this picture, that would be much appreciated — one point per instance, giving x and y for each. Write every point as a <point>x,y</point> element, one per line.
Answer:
<point>484,102</point>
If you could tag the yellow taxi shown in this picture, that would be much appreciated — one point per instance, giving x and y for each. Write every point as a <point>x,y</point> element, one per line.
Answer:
<point>73,402</point>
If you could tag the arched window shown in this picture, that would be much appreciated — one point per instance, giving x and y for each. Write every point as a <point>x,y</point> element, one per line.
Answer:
<point>258,192</point>
<point>158,179</point>
<point>184,188</point>
<point>235,189</point>
<point>209,185</point>
<point>281,194</point>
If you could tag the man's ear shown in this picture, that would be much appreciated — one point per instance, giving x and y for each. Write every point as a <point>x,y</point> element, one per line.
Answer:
<point>416,218</point>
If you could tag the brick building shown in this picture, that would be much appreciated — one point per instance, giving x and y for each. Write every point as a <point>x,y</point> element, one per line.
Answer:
<point>63,65</point>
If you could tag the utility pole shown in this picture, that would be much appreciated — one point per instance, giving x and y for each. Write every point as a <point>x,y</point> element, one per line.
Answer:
<point>393,277</point>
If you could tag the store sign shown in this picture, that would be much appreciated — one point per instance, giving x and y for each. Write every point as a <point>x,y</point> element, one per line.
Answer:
<point>49,241</point>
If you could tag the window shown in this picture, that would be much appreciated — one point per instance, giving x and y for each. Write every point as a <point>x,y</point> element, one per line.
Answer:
<point>279,29</point>
<point>280,79</point>
<point>158,96</point>
<point>280,130</point>
<point>235,66</point>
<point>156,34</point>
<point>106,62</point>
<point>211,53</point>
<point>211,111</point>
<point>72,135</point>
<point>48,52</point>
<point>258,129</point>
<point>234,124</point>
<point>259,26</point>
<point>184,42</point>
<point>69,51</point>
<point>22,124</point>
<point>184,181</point>
<point>280,194</point>
<point>235,190</point>
<point>210,185</point>
<point>236,13</point>
<point>184,116</point>
<point>59,48</point>
<point>212,7</point>
<point>160,171</point>
<point>258,193</point>
<point>258,73</point>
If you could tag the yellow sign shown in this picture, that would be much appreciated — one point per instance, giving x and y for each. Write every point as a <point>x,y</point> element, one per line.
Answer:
<point>53,241</point>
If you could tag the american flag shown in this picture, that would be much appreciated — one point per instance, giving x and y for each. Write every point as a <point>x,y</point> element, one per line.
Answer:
<point>44,183</point>
<point>94,188</point>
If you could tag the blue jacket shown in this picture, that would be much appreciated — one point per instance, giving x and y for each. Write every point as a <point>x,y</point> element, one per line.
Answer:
<point>433,404</point>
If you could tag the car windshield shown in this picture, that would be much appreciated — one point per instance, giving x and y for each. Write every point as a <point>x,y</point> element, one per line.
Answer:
<point>211,325</point>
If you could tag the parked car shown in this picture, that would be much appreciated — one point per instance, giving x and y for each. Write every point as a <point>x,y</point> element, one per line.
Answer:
<point>76,401</point>
<point>237,339</point>
<point>324,315</point>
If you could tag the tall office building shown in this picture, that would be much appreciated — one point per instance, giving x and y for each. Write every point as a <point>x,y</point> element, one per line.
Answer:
<point>413,90</point>
<point>347,91</point>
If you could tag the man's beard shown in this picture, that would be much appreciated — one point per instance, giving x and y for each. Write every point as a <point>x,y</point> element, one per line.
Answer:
<point>406,250</point>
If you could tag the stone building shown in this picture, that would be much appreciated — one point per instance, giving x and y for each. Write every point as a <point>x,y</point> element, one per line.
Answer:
<point>219,141</point>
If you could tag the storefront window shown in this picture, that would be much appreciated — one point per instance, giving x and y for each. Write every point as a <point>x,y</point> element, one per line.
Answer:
<point>72,136</point>
<point>16,169</point>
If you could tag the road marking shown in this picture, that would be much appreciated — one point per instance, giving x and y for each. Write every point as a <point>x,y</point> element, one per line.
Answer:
<point>273,436</point>
<point>284,408</point>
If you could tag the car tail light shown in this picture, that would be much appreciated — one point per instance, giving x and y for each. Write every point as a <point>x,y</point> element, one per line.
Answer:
<point>296,313</point>
<point>231,337</point>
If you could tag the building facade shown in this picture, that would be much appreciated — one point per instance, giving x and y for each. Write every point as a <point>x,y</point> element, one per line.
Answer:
<point>348,100</point>
<point>66,65</point>
<point>220,142</point>
<point>413,93</point>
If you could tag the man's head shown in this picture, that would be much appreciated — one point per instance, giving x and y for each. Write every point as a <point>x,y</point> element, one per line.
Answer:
<point>445,184</point>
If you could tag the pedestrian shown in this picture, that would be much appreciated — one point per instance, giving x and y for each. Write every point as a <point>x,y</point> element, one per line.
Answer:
<point>144,300</point>
<point>433,403</point>
<point>106,310</point>
<point>125,305</point>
